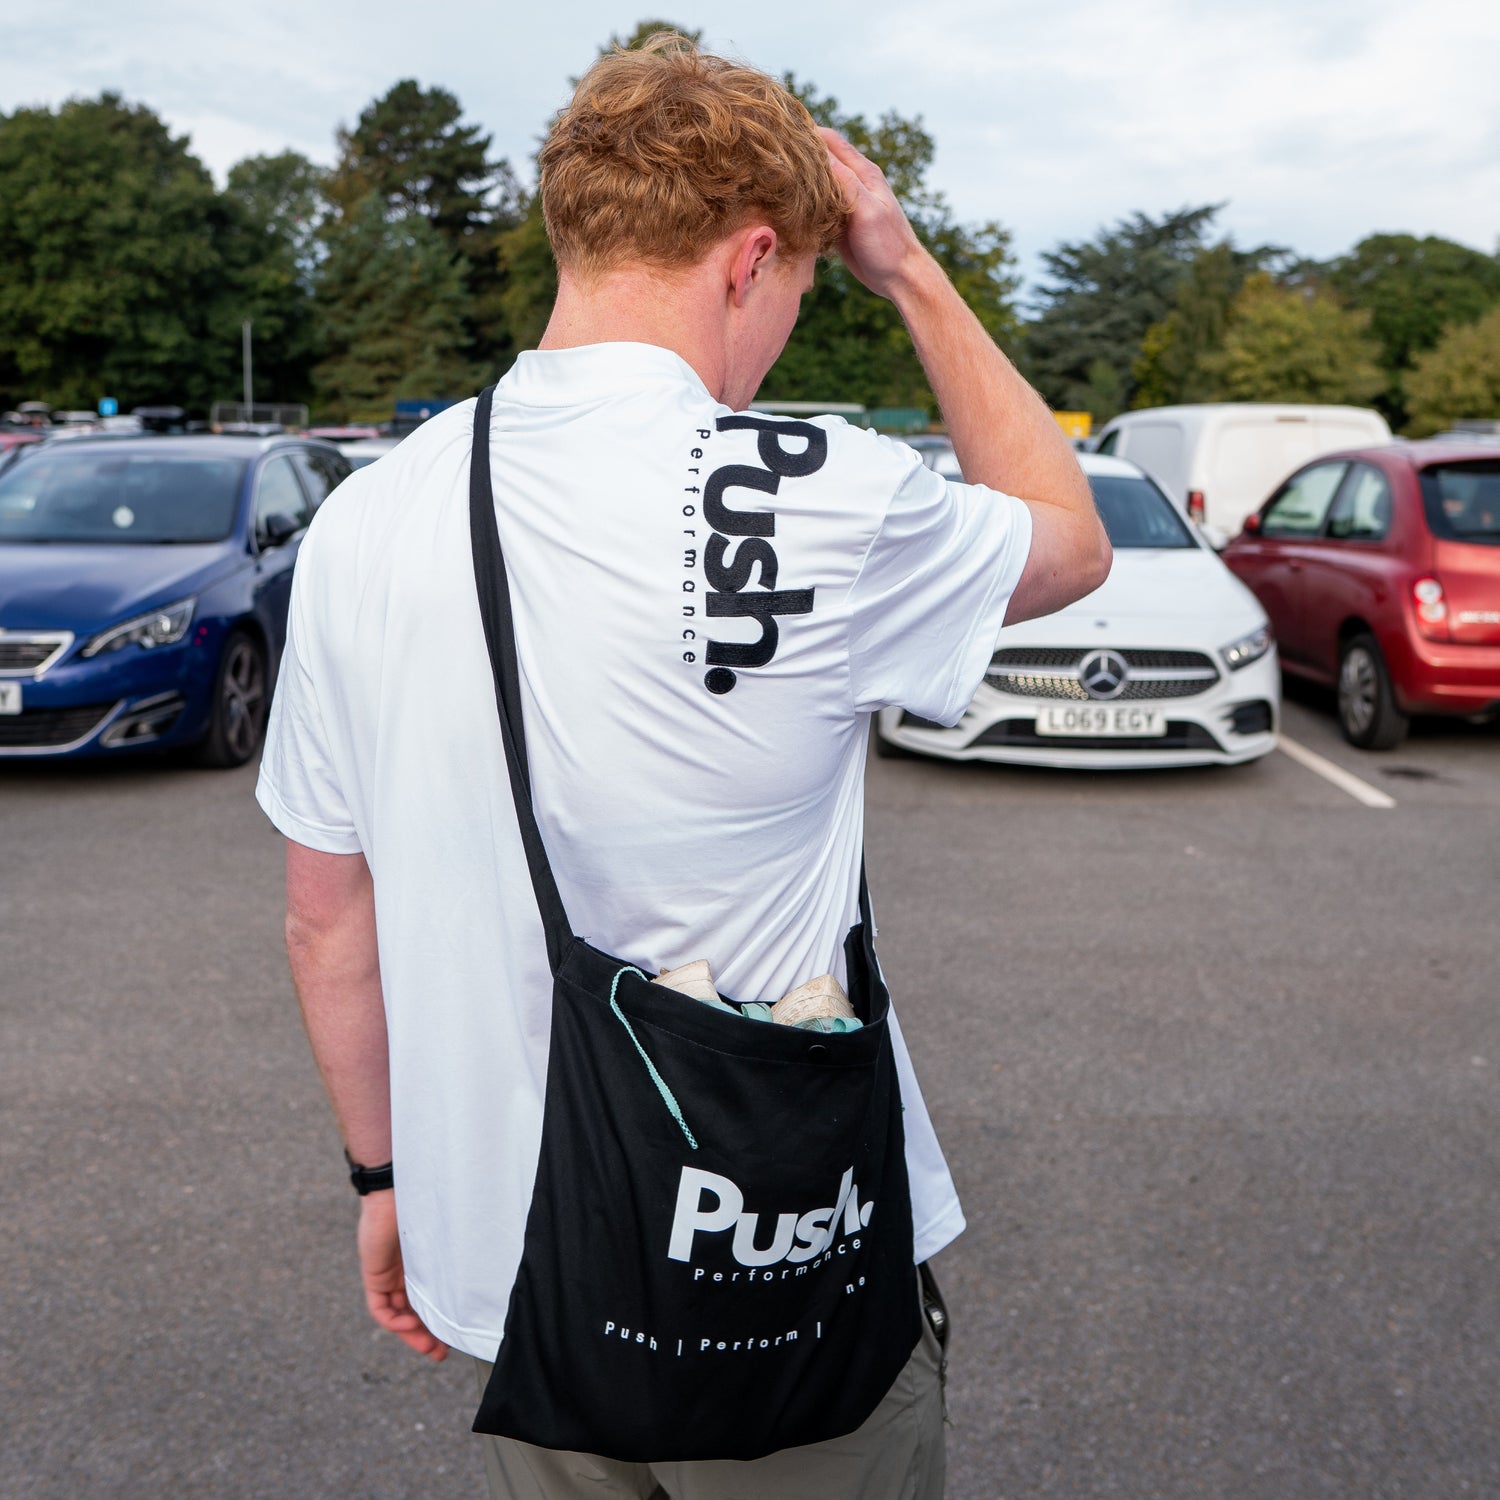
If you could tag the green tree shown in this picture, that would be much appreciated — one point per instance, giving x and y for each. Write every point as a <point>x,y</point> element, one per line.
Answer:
<point>1292,344</point>
<point>1460,377</point>
<point>1170,366</point>
<point>114,280</point>
<point>644,31</point>
<point>849,344</point>
<point>1414,290</point>
<point>391,302</point>
<point>531,277</point>
<point>1102,297</point>
<point>412,150</point>
<point>278,205</point>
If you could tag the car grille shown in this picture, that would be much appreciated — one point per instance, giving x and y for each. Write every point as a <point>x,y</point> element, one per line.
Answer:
<point>1021,733</point>
<point>51,728</point>
<point>30,651</point>
<point>1052,672</point>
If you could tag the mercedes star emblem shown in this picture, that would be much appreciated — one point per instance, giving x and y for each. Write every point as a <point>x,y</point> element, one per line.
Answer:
<point>1103,674</point>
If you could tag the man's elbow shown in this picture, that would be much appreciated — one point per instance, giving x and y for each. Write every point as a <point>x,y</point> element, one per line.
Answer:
<point>1099,562</point>
<point>1089,557</point>
<point>1088,550</point>
<point>1070,557</point>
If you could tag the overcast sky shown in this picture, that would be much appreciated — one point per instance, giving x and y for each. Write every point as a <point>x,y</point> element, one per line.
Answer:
<point>1320,121</point>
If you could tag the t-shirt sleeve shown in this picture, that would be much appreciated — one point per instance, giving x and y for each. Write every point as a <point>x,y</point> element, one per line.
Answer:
<point>931,594</point>
<point>299,788</point>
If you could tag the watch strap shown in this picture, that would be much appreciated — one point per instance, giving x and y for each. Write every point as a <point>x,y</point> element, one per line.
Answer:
<point>369,1179</point>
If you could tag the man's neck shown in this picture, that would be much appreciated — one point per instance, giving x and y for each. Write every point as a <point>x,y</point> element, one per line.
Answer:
<point>640,306</point>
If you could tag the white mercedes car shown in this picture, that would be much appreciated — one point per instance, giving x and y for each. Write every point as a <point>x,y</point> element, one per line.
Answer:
<point>1170,663</point>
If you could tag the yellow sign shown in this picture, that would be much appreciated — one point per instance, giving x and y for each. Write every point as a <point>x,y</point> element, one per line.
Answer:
<point>1077,424</point>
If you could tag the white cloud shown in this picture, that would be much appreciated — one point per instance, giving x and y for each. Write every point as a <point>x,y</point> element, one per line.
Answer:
<point>1319,123</point>
<point>1319,120</point>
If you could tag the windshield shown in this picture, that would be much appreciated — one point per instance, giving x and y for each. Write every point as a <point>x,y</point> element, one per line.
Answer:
<point>1136,514</point>
<point>104,494</point>
<point>1463,501</point>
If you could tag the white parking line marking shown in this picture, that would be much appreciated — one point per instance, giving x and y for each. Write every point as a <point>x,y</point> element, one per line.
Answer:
<point>1345,781</point>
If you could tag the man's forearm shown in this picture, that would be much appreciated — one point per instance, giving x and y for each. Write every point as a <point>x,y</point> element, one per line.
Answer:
<point>1002,432</point>
<point>1005,437</point>
<point>330,938</point>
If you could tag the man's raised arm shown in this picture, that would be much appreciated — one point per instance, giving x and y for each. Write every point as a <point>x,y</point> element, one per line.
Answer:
<point>1002,432</point>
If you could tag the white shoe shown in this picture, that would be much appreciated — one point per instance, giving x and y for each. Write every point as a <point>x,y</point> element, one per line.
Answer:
<point>820,999</point>
<point>695,980</point>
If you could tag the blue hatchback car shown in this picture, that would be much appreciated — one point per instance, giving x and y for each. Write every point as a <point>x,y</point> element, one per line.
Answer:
<point>144,584</point>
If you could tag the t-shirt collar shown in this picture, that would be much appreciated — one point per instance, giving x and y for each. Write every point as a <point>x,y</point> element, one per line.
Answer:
<point>565,377</point>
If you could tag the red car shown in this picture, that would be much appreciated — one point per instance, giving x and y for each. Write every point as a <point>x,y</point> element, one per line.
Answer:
<point>1380,570</point>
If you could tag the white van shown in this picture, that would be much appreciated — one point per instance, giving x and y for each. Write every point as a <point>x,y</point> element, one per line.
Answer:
<point>1221,461</point>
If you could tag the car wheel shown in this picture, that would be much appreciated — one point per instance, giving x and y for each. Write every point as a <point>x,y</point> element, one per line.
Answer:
<point>240,699</point>
<point>1367,703</point>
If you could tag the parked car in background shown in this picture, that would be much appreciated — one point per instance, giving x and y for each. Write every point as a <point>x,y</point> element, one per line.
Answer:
<point>1220,461</point>
<point>346,433</point>
<point>1169,663</point>
<point>362,451</point>
<point>144,584</point>
<point>1380,571</point>
<point>13,439</point>
<point>936,451</point>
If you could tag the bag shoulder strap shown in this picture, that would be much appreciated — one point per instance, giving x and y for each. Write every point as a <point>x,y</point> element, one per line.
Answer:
<point>500,638</point>
<point>499,634</point>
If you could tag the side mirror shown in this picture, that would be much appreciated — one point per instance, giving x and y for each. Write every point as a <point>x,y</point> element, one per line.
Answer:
<point>278,528</point>
<point>1252,524</point>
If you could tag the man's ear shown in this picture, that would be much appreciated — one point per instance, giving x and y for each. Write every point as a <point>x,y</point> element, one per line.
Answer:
<point>754,252</point>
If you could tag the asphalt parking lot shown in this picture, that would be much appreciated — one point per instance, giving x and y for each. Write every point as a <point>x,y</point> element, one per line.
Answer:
<point>1214,1056</point>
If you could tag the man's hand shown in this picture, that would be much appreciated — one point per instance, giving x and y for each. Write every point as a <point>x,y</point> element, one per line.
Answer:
<point>385,1281</point>
<point>879,245</point>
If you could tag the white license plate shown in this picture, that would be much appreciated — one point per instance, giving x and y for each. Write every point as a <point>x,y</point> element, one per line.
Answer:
<point>10,697</point>
<point>1100,720</point>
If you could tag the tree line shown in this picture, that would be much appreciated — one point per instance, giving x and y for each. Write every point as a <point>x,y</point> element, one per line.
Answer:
<point>1154,311</point>
<point>417,266</point>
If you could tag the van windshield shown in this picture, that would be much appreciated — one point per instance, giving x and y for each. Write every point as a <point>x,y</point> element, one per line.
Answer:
<point>1136,514</point>
<point>1463,501</point>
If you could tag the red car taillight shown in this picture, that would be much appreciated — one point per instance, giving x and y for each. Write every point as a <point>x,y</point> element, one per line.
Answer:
<point>1431,608</point>
<point>1196,508</point>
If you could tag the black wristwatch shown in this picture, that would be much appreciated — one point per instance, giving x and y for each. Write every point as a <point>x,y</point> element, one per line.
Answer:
<point>369,1179</point>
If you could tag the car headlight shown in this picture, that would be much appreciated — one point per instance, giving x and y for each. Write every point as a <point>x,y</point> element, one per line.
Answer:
<point>162,627</point>
<point>1248,648</point>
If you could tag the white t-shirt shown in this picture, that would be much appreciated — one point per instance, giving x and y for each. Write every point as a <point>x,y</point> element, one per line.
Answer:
<point>697,801</point>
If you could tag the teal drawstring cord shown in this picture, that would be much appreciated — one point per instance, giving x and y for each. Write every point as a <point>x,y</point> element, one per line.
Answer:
<point>668,1098</point>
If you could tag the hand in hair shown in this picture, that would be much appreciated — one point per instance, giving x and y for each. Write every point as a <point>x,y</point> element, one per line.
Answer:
<point>878,245</point>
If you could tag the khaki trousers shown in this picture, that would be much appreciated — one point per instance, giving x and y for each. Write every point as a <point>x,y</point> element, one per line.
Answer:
<point>897,1455</point>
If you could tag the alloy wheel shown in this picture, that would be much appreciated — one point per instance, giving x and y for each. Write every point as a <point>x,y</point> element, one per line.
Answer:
<point>243,698</point>
<point>1359,688</point>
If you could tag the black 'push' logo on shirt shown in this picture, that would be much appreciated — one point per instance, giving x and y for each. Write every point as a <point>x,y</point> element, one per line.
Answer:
<point>727,576</point>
